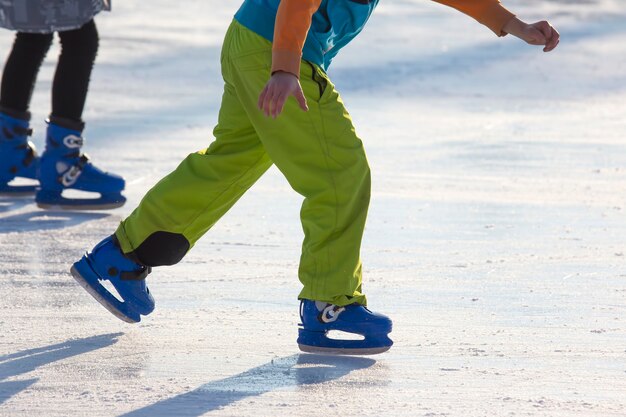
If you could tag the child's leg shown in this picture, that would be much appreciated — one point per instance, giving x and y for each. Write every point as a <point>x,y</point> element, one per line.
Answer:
<point>17,155</point>
<point>63,165</point>
<point>20,72</point>
<point>181,207</point>
<point>79,48</point>
<point>323,159</point>
<point>175,213</point>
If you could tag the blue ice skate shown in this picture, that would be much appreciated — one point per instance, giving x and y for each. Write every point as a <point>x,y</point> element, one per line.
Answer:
<point>63,166</point>
<point>17,155</point>
<point>107,262</point>
<point>319,318</point>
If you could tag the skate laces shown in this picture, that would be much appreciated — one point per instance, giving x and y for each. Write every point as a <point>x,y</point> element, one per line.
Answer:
<point>74,142</point>
<point>327,313</point>
<point>69,177</point>
<point>330,313</point>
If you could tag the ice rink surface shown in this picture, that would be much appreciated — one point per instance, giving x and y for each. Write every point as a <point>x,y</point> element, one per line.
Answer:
<point>495,240</point>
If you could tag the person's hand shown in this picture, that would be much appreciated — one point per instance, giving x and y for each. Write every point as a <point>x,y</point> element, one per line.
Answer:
<point>540,33</point>
<point>276,92</point>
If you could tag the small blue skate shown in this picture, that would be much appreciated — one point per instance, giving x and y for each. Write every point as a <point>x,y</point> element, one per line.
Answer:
<point>17,155</point>
<point>320,318</point>
<point>63,166</point>
<point>107,262</point>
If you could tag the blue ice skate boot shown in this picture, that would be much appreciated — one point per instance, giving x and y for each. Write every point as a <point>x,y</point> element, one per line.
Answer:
<point>107,262</point>
<point>63,166</point>
<point>17,155</point>
<point>318,318</point>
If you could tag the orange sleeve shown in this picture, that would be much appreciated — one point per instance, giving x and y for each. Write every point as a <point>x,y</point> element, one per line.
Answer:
<point>293,21</point>
<point>488,12</point>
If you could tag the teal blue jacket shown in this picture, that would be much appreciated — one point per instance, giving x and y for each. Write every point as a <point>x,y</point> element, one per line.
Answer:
<point>334,25</point>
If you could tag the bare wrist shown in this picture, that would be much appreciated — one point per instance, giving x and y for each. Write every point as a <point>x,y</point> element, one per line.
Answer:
<point>514,26</point>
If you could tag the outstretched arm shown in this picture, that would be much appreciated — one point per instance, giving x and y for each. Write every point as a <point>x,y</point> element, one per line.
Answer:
<point>293,21</point>
<point>501,21</point>
<point>488,12</point>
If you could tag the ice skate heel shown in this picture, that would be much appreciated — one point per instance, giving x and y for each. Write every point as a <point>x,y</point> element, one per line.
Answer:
<point>63,167</point>
<point>18,158</point>
<point>107,262</point>
<point>318,319</point>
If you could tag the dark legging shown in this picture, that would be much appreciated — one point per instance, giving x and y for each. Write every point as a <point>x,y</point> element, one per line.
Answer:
<point>71,79</point>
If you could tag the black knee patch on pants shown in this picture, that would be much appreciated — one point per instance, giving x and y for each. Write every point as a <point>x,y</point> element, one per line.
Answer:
<point>161,248</point>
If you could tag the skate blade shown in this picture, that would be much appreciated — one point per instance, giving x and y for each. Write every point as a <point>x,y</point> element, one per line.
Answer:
<point>341,351</point>
<point>319,342</point>
<point>80,207</point>
<point>16,194</point>
<point>18,190</point>
<point>99,298</point>
<point>54,200</point>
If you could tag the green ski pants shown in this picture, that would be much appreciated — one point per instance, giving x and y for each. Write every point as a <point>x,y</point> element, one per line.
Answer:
<point>318,152</point>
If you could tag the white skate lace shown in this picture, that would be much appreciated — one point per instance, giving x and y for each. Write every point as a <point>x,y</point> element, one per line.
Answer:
<point>331,313</point>
<point>70,176</point>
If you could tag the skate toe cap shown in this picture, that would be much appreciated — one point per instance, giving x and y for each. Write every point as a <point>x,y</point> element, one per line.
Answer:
<point>144,305</point>
<point>95,179</point>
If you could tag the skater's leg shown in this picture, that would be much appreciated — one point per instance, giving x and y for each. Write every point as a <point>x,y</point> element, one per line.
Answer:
<point>17,155</point>
<point>323,159</point>
<point>79,48</point>
<point>175,213</point>
<point>20,72</point>
<point>63,165</point>
<point>181,207</point>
